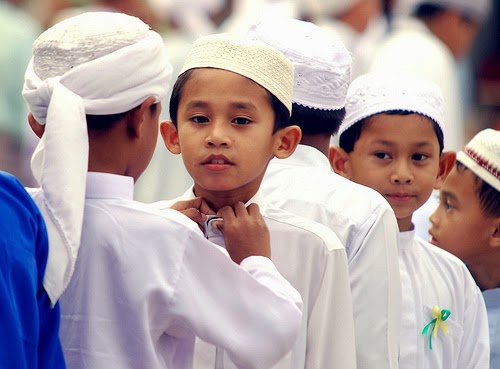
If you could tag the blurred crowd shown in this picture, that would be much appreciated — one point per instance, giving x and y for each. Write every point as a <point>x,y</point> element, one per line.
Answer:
<point>469,68</point>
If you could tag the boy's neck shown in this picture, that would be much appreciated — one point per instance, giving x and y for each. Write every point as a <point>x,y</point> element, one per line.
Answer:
<point>218,199</point>
<point>320,142</point>
<point>485,269</point>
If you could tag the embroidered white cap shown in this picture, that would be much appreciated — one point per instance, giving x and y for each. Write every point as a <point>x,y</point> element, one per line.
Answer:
<point>482,156</point>
<point>322,64</point>
<point>476,8</point>
<point>371,94</point>
<point>252,59</point>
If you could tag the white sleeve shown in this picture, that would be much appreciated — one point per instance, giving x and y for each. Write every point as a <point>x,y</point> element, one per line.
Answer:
<point>376,292</point>
<point>330,325</point>
<point>475,346</point>
<point>254,314</point>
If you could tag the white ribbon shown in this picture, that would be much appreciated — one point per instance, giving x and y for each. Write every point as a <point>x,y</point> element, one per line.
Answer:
<point>112,84</point>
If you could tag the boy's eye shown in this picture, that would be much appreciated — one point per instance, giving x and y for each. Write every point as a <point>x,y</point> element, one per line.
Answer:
<point>199,119</point>
<point>419,157</point>
<point>382,155</point>
<point>448,205</point>
<point>241,121</point>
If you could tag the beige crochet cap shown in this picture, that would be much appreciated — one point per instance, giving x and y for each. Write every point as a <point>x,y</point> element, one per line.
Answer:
<point>371,94</point>
<point>252,59</point>
<point>482,156</point>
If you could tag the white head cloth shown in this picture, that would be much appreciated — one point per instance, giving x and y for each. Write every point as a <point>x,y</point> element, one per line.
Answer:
<point>94,63</point>
<point>371,94</point>
<point>482,156</point>
<point>476,8</point>
<point>255,60</point>
<point>322,64</point>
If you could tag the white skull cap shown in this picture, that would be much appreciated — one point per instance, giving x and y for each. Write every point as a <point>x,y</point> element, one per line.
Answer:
<point>252,59</point>
<point>371,94</point>
<point>322,64</point>
<point>482,156</point>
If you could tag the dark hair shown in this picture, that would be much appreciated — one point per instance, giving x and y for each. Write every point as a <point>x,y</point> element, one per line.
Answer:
<point>316,121</point>
<point>105,122</point>
<point>428,10</point>
<point>489,197</point>
<point>351,135</point>
<point>281,114</point>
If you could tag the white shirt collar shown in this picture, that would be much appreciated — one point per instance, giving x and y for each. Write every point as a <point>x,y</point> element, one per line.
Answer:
<point>258,199</point>
<point>109,186</point>
<point>305,155</point>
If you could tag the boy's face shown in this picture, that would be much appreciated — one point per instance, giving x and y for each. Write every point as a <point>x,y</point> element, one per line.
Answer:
<point>458,224</point>
<point>398,156</point>
<point>224,131</point>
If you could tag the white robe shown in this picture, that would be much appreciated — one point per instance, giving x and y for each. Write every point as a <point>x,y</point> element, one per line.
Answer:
<point>432,276</point>
<point>311,257</point>
<point>492,299</point>
<point>147,282</point>
<point>304,184</point>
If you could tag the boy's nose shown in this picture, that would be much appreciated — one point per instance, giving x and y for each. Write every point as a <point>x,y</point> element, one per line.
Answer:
<point>402,174</point>
<point>218,135</point>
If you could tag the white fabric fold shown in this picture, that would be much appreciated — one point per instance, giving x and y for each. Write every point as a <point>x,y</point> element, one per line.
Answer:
<point>112,84</point>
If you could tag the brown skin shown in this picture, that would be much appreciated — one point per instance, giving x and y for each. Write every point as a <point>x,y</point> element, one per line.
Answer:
<point>226,115</point>
<point>455,31</point>
<point>361,13</point>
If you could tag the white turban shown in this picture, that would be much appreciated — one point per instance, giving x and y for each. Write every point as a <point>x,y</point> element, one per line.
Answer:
<point>95,63</point>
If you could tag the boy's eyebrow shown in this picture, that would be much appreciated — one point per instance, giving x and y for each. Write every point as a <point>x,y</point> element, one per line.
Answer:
<point>234,105</point>
<point>449,194</point>
<point>390,143</point>
<point>196,104</point>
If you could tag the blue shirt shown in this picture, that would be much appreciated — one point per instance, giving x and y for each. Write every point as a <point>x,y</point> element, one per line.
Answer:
<point>29,326</point>
<point>492,299</point>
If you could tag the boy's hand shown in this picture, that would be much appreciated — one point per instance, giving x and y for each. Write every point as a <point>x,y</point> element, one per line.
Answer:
<point>245,232</point>
<point>196,209</point>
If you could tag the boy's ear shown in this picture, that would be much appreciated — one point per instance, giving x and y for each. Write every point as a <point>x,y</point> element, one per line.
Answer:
<point>446,163</point>
<point>137,117</point>
<point>495,238</point>
<point>170,137</point>
<point>339,160</point>
<point>36,127</point>
<point>288,139</point>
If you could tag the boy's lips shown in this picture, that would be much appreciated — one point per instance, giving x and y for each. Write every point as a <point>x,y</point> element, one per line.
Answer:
<point>399,196</point>
<point>217,163</point>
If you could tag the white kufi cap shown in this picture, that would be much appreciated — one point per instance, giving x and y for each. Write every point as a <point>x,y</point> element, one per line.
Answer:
<point>371,94</point>
<point>95,63</point>
<point>482,156</point>
<point>254,60</point>
<point>322,64</point>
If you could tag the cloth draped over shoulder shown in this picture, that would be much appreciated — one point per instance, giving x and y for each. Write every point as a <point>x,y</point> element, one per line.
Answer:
<point>111,84</point>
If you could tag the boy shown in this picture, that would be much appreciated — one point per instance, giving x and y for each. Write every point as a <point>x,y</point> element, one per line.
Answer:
<point>467,222</point>
<point>358,215</point>
<point>28,322</point>
<point>230,109</point>
<point>391,140</point>
<point>144,283</point>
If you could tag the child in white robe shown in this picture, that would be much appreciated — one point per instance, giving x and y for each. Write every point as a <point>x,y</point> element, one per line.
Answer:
<point>136,285</point>
<point>467,222</point>
<point>304,184</point>
<point>392,140</point>
<point>230,111</point>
